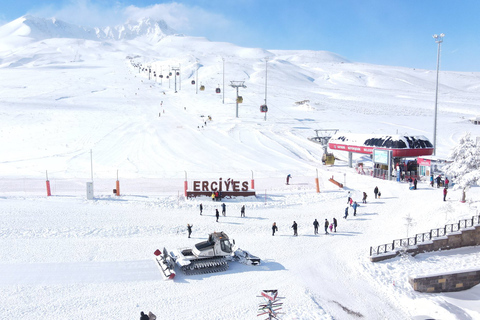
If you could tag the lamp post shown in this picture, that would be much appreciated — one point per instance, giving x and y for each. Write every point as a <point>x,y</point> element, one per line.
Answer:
<point>266,65</point>
<point>439,40</point>
<point>223,93</point>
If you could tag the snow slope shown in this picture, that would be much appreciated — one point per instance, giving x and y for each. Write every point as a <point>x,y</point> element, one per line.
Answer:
<point>62,97</point>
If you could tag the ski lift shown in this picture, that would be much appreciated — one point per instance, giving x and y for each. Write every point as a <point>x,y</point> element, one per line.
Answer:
<point>239,99</point>
<point>263,108</point>
<point>202,87</point>
<point>193,81</point>
<point>218,90</point>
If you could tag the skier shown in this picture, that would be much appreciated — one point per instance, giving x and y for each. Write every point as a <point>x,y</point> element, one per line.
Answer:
<point>224,209</point>
<point>189,228</point>
<point>355,205</point>
<point>288,178</point>
<point>143,316</point>
<point>201,209</point>
<point>376,192</point>
<point>346,213</point>
<point>274,228</point>
<point>364,200</point>
<point>217,214</point>
<point>327,224</point>
<point>294,226</point>
<point>444,193</point>
<point>334,225</point>
<point>242,211</point>
<point>351,202</point>
<point>315,227</point>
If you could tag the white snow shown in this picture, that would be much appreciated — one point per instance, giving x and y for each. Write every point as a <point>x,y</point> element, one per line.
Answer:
<point>66,256</point>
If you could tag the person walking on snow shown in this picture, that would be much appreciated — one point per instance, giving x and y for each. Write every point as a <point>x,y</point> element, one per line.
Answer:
<point>217,214</point>
<point>294,226</point>
<point>331,227</point>
<point>446,182</point>
<point>348,197</point>
<point>224,209</point>
<point>431,180</point>
<point>327,224</point>
<point>315,226</point>
<point>415,181</point>
<point>375,191</point>
<point>444,194</point>
<point>242,211</point>
<point>288,178</point>
<point>189,228</point>
<point>143,316</point>
<point>346,213</point>
<point>355,205</point>
<point>201,209</point>
<point>274,228</point>
<point>334,225</point>
<point>364,200</point>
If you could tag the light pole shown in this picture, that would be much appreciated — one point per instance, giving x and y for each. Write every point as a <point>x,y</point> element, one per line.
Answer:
<point>266,64</point>
<point>223,93</point>
<point>439,40</point>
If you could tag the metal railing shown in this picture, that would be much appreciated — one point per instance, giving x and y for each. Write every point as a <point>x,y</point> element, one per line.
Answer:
<point>423,237</point>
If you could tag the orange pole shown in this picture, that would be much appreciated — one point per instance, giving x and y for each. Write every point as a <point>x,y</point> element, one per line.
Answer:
<point>316,183</point>
<point>48,189</point>
<point>253,184</point>
<point>118,188</point>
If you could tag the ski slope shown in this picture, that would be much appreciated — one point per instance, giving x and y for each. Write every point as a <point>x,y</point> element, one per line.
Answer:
<point>64,100</point>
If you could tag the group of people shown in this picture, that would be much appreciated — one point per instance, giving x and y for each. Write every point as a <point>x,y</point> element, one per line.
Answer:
<point>149,316</point>
<point>216,196</point>
<point>327,225</point>
<point>217,215</point>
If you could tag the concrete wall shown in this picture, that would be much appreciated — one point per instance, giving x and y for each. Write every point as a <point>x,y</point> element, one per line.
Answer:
<point>448,282</point>
<point>464,238</point>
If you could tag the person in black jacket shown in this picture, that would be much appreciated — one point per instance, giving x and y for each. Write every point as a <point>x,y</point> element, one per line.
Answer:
<point>143,316</point>
<point>294,226</point>
<point>334,225</point>
<point>274,228</point>
<point>375,191</point>
<point>201,209</point>
<point>189,228</point>
<point>217,214</point>
<point>315,226</point>
<point>327,224</point>
<point>242,211</point>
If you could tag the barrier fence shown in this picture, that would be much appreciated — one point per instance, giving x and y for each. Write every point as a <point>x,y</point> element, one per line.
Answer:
<point>423,237</point>
<point>155,186</point>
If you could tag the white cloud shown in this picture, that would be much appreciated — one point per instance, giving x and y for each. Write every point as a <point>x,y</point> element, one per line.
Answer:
<point>182,18</point>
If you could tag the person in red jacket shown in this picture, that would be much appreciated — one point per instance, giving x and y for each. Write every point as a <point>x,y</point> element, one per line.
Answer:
<point>444,193</point>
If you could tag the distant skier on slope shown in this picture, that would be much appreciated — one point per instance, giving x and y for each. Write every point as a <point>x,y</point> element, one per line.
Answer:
<point>288,178</point>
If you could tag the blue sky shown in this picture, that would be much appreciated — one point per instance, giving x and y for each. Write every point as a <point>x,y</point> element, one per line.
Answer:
<point>389,32</point>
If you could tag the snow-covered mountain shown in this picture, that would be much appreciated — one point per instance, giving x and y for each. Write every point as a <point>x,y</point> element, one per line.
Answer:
<point>35,29</point>
<point>74,106</point>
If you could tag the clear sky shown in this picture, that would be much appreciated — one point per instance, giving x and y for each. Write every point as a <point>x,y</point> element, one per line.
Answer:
<point>389,32</point>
